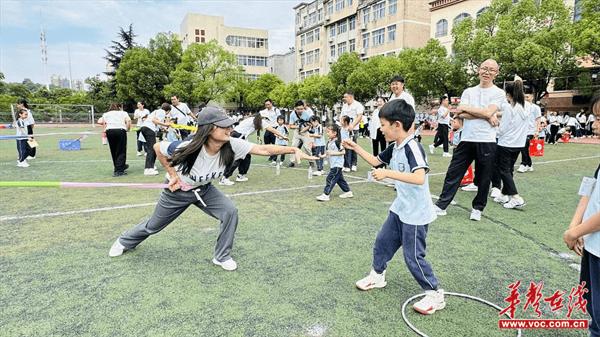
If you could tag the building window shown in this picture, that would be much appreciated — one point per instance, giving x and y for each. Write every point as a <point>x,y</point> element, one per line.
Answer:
<point>302,40</point>
<point>298,18</point>
<point>378,37</point>
<point>365,38</point>
<point>342,27</point>
<point>441,28</point>
<point>348,3</point>
<point>460,17</point>
<point>339,5</point>
<point>366,14</point>
<point>392,6</point>
<point>330,7</point>
<point>332,31</point>
<point>310,37</point>
<point>302,59</point>
<point>202,39</point>
<point>352,45</point>
<point>317,33</point>
<point>197,31</point>
<point>341,48</point>
<point>197,38</point>
<point>332,50</point>
<point>378,11</point>
<point>202,32</point>
<point>320,15</point>
<point>391,33</point>
<point>246,42</point>
<point>479,12</point>
<point>352,23</point>
<point>248,60</point>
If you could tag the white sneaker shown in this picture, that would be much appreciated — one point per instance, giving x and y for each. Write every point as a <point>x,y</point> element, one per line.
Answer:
<point>273,163</point>
<point>117,249</point>
<point>241,177</point>
<point>226,182</point>
<point>470,188</point>
<point>346,195</point>
<point>439,211</point>
<point>522,169</point>
<point>373,280</point>
<point>139,153</point>
<point>150,172</point>
<point>502,199</point>
<point>530,168</point>
<point>475,215</point>
<point>432,302</point>
<point>345,169</point>
<point>354,169</point>
<point>515,202</point>
<point>446,154</point>
<point>323,197</point>
<point>23,163</point>
<point>495,192</point>
<point>229,265</point>
<point>431,148</point>
<point>318,173</point>
<point>30,158</point>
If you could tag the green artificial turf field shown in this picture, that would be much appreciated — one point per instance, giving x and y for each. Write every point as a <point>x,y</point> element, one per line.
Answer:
<point>298,258</point>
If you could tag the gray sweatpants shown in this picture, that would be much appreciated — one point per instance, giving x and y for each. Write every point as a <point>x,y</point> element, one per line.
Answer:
<point>171,204</point>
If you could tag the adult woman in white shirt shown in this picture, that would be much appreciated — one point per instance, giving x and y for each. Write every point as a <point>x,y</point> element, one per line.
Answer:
<point>117,122</point>
<point>140,114</point>
<point>377,138</point>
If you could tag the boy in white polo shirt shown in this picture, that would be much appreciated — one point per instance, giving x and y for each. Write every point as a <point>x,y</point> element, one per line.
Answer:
<point>583,235</point>
<point>411,212</point>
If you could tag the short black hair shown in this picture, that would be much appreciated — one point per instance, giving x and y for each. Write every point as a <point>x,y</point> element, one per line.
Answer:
<point>349,92</point>
<point>443,98</point>
<point>397,78</point>
<point>398,111</point>
<point>268,100</point>
<point>314,118</point>
<point>299,103</point>
<point>24,102</point>
<point>282,117</point>
<point>166,107</point>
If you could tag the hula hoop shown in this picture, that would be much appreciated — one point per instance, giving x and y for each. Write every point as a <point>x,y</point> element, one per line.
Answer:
<point>477,299</point>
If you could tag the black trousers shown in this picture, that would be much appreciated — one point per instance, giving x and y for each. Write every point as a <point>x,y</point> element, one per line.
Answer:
<point>140,145</point>
<point>31,151</point>
<point>243,165</point>
<point>117,142</point>
<point>379,143</point>
<point>553,134</point>
<point>334,177</point>
<point>503,175</point>
<point>525,157</point>
<point>269,138</point>
<point>150,137</point>
<point>441,136</point>
<point>465,153</point>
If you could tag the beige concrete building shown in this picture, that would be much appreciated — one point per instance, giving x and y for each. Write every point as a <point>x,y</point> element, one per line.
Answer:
<point>325,29</point>
<point>283,65</point>
<point>251,46</point>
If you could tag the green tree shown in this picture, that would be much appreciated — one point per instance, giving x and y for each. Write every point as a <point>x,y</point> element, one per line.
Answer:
<point>139,77</point>
<point>286,95</point>
<point>527,39</point>
<point>318,90</point>
<point>18,89</point>
<point>166,48</point>
<point>205,73</point>
<point>99,94</point>
<point>586,39</point>
<point>260,89</point>
<point>341,70</point>
<point>116,53</point>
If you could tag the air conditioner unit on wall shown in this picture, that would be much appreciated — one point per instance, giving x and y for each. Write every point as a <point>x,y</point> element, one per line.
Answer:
<point>331,59</point>
<point>362,51</point>
<point>327,18</point>
<point>363,28</point>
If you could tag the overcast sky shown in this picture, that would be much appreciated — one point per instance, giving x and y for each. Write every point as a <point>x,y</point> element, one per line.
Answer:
<point>88,27</point>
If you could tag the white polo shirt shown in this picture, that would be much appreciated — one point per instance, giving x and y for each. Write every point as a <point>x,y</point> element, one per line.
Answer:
<point>534,114</point>
<point>405,96</point>
<point>479,130</point>
<point>116,119</point>
<point>352,111</point>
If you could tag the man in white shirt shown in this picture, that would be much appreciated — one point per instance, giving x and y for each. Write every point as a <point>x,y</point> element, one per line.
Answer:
<point>270,112</point>
<point>182,113</point>
<point>354,110</point>
<point>443,119</point>
<point>478,107</point>
<point>398,92</point>
<point>533,121</point>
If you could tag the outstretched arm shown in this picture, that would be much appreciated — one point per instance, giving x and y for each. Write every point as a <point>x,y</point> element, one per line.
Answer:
<point>371,159</point>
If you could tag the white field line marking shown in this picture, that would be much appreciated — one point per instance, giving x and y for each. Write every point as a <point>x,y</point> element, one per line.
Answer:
<point>92,210</point>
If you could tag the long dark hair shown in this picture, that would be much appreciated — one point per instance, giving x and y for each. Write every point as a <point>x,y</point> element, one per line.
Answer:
<point>186,156</point>
<point>515,90</point>
<point>335,128</point>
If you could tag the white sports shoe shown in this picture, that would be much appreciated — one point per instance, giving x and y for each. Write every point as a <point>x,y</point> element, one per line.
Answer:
<point>432,302</point>
<point>354,169</point>
<point>323,197</point>
<point>475,215</point>
<point>431,148</point>
<point>117,249</point>
<point>30,158</point>
<point>150,172</point>
<point>241,177</point>
<point>470,188</point>
<point>345,169</point>
<point>229,265</point>
<point>522,169</point>
<point>317,173</point>
<point>226,182</point>
<point>515,202</point>
<point>495,192</point>
<point>446,154</point>
<point>373,280</point>
<point>439,211</point>
<point>346,195</point>
<point>273,163</point>
<point>139,153</point>
<point>502,199</point>
<point>530,168</point>
<point>23,163</point>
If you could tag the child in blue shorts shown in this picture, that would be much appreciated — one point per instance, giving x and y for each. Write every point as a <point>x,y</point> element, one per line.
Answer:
<point>411,212</point>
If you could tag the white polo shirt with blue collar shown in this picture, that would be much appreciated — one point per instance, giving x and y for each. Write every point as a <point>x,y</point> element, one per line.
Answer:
<point>413,203</point>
